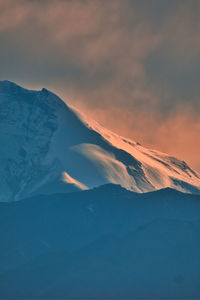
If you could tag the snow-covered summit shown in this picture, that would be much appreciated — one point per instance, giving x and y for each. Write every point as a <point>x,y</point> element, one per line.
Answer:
<point>48,147</point>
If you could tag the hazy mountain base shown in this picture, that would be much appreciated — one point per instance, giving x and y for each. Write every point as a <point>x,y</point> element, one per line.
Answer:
<point>103,243</point>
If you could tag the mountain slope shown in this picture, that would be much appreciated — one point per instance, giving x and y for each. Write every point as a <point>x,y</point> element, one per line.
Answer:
<point>47,147</point>
<point>104,243</point>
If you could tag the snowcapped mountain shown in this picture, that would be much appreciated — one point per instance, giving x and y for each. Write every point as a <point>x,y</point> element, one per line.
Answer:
<point>48,147</point>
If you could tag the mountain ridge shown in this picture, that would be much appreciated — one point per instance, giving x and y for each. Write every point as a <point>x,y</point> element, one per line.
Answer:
<point>110,242</point>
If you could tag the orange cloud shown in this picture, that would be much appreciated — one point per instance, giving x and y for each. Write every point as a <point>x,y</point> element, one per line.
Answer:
<point>95,53</point>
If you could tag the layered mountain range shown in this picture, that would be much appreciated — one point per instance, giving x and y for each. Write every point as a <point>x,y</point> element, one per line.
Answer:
<point>104,243</point>
<point>48,147</point>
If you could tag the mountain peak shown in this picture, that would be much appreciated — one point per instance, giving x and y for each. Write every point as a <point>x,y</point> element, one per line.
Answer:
<point>10,84</point>
<point>110,188</point>
<point>44,90</point>
<point>7,83</point>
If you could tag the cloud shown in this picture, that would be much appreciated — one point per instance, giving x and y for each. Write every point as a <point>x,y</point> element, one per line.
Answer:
<point>12,14</point>
<point>136,62</point>
<point>87,33</point>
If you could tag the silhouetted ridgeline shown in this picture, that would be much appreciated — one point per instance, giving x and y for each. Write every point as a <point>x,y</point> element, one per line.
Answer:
<point>102,243</point>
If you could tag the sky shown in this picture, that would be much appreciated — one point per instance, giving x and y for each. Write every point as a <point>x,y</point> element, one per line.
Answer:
<point>132,65</point>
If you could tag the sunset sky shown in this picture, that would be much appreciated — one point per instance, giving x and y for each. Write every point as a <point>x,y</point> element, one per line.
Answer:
<point>133,65</point>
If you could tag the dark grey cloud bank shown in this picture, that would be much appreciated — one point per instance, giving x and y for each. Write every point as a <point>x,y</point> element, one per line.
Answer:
<point>134,61</point>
